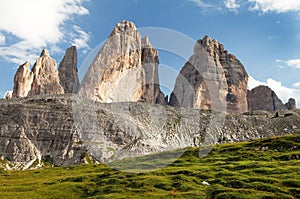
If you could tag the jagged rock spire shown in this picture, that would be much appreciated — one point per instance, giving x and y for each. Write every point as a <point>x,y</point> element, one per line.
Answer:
<point>22,80</point>
<point>68,73</point>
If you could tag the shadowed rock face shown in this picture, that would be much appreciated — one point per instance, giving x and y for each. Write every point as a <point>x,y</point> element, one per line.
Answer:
<point>291,104</point>
<point>263,98</point>
<point>211,79</point>
<point>151,88</point>
<point>68,73</point>
<point>125,69</point>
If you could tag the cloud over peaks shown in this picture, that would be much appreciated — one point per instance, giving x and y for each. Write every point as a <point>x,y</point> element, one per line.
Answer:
<point>2,39</point>
<point>294,63</point>
<point>278,6</point>
<point>36,23</point>
<point>283,92</point>
<point>232,5</point>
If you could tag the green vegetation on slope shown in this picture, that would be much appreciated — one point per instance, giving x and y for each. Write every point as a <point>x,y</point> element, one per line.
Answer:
<point>266,168</point>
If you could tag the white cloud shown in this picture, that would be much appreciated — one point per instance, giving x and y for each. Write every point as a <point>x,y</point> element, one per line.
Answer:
<point>81,38</point>
<point>2,39</point>
<point>283,92</point>
<point>296,85</point>
<point>19,53</point>
<point>202,4</point>
<point>232,5</point>
<point>278,6</point>
<point>294,63</point>
<point>37,23</point>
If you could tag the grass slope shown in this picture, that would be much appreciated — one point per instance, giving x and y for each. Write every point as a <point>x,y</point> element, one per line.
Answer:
<point>266,168</point>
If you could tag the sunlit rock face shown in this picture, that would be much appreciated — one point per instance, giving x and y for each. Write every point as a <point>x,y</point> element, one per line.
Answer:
<point>124,70</point>
<point>43,79</point>
<point>46,79</point>
<point>22,81</point>
<point>211,79</point>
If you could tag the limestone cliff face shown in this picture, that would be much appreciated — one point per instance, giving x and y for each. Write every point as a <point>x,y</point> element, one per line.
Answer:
<point>42,79</point>
<point>68,73</point>
<point>39,129</point>
<point>118,74</point>
<point>211,79</point>
<point>263,98</point>
<point>46,79</point>
<point>22,81</point>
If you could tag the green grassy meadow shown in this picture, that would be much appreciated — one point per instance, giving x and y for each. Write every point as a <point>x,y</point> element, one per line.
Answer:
<point>265,168</point>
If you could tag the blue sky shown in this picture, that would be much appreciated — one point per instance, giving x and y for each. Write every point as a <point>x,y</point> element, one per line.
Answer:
<point>263,34</point>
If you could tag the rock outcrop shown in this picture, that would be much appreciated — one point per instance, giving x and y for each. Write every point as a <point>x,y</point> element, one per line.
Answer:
<point>211,79</point>
<point>291,104</point>
<point>124,70</point>
<point>8,94</point>
<point>46,79</point>
<point>49,129</point>
<point>43,79</point>
<point>263,98</point>
<point>68,73</point>
<point>23,80</point>
<point>39,129</point>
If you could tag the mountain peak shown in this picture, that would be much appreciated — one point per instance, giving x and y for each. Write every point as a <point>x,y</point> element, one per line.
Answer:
<point>123,26</point>
<point>45,53</point>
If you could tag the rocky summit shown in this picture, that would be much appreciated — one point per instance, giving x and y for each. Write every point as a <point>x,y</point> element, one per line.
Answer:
<point>22,81</point>
<point>45,76</point>
<point>125,69</point>
<point>263,98</point>
<point>211,79</point>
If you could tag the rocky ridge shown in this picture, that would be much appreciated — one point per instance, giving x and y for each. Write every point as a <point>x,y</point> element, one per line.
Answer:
<point>126,70</point>
<point>68,129</point>
<point>44,78</point>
